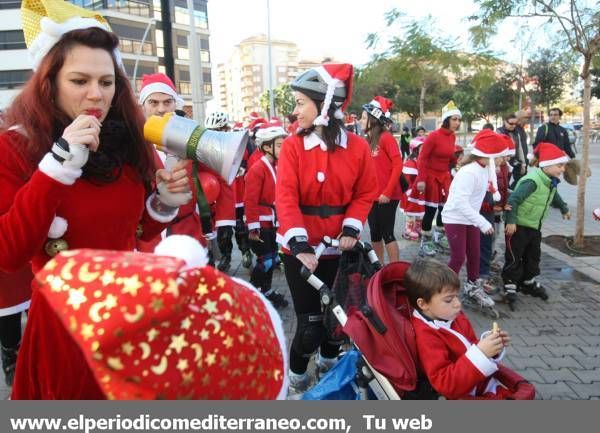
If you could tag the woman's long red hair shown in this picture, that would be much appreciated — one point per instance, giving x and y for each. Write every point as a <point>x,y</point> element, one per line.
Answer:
<point>36,114</point>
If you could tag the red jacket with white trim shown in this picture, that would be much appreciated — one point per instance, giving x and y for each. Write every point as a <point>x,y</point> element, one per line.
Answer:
<point>310,175</point>
<point>224,207</point>
<point>260,190</point>
<point>437,153</point>
<point>449,355</point>
<point>100,216</point>
<point>389,166</point>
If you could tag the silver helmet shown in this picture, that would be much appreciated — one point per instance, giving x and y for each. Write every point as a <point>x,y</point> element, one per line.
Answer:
<point>312,85</point>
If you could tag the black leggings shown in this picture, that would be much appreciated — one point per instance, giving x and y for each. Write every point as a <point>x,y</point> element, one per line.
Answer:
<point>266,259</point>
<point>428,217</point>
<point>381,221</point>
<point>241,230</point>
<point>307,302</point>
<point>10,330</point>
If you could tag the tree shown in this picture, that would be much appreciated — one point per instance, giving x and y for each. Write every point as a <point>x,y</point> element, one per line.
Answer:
<point>423,60</point>
<point>579,26</point>
<point>283,100</point>
<point>499,98</point>
<point>550,71</point>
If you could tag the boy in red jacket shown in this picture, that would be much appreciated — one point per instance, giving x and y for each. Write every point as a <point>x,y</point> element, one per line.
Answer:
<point>457,364</point>
<point>259,202</point>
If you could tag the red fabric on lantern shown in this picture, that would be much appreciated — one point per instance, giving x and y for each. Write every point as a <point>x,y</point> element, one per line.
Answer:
<point>210,186</point>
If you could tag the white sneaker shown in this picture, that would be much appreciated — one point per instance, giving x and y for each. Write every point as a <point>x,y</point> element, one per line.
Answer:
<point>324,365</point>
<point>475,291</point>
<point>299,384</point>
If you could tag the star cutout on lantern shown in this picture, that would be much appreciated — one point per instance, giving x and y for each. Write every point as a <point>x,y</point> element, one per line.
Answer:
<point>131,285</point>
<point>210,306</point>
<point>87,331</point>
<point>210,359</point>
<point>224,361</point>
<point>173,288</point>
<point>157,287</point>
<point>188,378</point>
<point>221,282</point>
<point>228,342</point>
<point>238,321</point>
<point>110,302</point>
<point>56,284</point>
<point>107,277</point>
<point>127,348</point>
<point>202,290</point>
<point>206,380</point>
<point>76,297</point>
<point>157,305</point>
<point>151,334</point>
<point>186,323</point>
<point>182,365</point>
<point>227,315</point>
<point>204,335</point>
<point>178,342</point>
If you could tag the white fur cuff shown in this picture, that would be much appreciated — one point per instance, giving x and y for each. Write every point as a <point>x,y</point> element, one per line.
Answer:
<point>51,167</point>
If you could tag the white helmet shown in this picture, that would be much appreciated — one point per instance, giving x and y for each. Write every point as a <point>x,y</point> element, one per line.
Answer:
<point>216,120</point>
<point>268,133</point>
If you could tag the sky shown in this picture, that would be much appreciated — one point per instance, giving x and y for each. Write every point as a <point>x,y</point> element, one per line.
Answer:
<point>338,28</point>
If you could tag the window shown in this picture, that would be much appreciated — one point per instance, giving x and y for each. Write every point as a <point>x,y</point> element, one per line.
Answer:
<point>200,17</point>
<point>141,8</point>
<point>14,79</point>
<point>12,40</point>
<point>10,4</point>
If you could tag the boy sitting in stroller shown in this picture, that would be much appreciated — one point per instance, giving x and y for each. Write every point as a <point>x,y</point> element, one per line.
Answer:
<point>457,364</point>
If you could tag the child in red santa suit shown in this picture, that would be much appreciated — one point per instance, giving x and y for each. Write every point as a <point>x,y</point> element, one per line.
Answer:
<point>326,186</point>
<point>259,203</point>
<point>456,363</point>
<point>414,211</point>
<point>461,216</point>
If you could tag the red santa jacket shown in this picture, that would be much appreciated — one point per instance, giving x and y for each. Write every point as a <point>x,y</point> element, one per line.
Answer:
<point>224,208</point>
<point>437,154</point>
<point>259,199</point>
<point>309,175</point>
<point>101,216</point>
<point>449,355</point>
<point>388,163</point>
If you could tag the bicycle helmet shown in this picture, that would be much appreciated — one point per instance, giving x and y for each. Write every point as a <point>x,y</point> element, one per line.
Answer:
<point>216,120</point>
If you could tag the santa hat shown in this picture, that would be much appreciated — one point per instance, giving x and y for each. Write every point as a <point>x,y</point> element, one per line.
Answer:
<point>45,21</point>
<point>268,132</point>
<point>253,116</point>
<point>380,108</point>
<point>449,110</point>
<point>510,145</point>
<point>152,327</point>
<point>335,76</point>
<point>488,144</point>
<point>415,142</point>
<point>159,83</point>
<point>549,154</point>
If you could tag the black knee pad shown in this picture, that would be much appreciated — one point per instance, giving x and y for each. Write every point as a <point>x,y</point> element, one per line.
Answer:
<point>310,333</point>
<point>224,236</point>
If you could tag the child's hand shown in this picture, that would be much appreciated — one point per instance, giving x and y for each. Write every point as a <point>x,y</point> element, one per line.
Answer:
<point>567,216</point>
<point>510,229</point>
<point>505,338</point>
<point>491,345</point>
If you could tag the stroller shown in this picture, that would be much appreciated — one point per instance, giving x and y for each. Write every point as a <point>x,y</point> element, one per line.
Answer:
<point>381,330</point>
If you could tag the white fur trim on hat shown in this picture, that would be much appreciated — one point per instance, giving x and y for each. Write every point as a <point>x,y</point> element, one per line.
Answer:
<point>562,159</point>
<point>185,248</point>
<point>148,90</point>
<point>494,179</point>
<point>450,113</point>
<point>478,152</point>
<point>51,33</point>
<point>58,228</point>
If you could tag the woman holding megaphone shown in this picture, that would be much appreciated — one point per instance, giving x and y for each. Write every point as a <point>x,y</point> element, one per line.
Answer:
<point>75,170</point>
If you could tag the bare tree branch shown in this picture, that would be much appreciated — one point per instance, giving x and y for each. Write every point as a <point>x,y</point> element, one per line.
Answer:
<point>560,20</point>
<point>580,24</point>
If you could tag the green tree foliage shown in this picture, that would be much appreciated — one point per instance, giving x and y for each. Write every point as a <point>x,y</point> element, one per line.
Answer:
<point>551,71</point>
<point>578,24</point>
<point>283,100</point>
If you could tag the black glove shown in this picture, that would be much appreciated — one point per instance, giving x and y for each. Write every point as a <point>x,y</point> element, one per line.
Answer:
<point>299,246</point>
<point>350,232</point>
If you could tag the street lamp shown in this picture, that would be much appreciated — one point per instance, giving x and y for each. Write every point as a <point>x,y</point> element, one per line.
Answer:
<point>139,53</point>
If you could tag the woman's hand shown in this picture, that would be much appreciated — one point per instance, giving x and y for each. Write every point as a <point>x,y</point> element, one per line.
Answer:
<point>309,260</point>
<point>383,199</point>
<point>510,229</point>
<point>489,231</point>
<point>254,235</point>
<point>84,130</point>
<point>421,186</point>
<point>347,242</point>
<point>173,186</point>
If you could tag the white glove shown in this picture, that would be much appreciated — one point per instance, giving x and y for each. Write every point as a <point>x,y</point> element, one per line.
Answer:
<point>172,199</point>
<point>70,155</point>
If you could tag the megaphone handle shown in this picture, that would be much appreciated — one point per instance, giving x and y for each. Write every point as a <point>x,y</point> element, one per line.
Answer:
<point>171,161</point>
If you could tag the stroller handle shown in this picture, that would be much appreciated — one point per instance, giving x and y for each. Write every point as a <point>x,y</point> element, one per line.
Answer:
<point>328,242</point>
